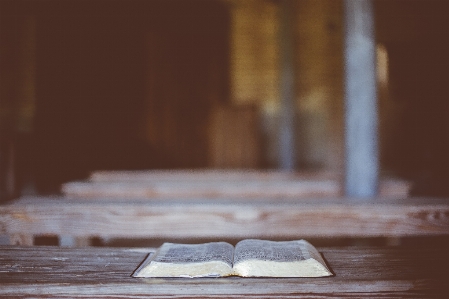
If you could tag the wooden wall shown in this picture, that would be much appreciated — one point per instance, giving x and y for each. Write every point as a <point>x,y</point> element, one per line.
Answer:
<point>320,83</point>
<point>135,84</point>
<point>412,88</point>
<point>17,95</point>
<point>414,105</point>
<point>186,75</point>
<point>255,72</point>
<point>234,140</point>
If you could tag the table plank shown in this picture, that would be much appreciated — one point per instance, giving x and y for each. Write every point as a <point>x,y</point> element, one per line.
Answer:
<point>329,182</point>
<point>202,175</point>
<point>205,189</point>
<point>53,272</point>
<point>226,218</point>
<point>211,183</point>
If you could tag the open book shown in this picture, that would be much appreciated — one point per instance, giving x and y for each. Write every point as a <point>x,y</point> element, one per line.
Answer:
<point>249,258</point>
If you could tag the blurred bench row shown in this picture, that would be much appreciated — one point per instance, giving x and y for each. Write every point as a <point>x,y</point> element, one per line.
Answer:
<point>219,183</point>
<point>198,205</point>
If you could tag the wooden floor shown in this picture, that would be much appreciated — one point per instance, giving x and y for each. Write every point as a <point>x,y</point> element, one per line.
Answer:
<point>54,272</point>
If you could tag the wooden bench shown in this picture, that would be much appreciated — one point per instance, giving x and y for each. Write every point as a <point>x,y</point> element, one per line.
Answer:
<point>200,174</point>
<point>360,272</point>
<point>218,183</point>
<point>236,218</point>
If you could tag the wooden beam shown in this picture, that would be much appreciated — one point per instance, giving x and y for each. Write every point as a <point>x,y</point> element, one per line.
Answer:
<point>287,87</point>
<point>195,175</point>
<point>204,189</point>
<point>211,184</point>
<point>361,101</point>
<point>226,218</point>
<point>188,187</point>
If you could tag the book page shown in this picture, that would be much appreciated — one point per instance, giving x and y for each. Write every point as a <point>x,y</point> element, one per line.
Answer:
<point>189,260</point>
<point>284,251</point>
<point>261,258</point>
<point>195,253</point>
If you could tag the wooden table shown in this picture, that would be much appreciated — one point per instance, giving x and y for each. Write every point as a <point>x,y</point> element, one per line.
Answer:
<point>55,272</point>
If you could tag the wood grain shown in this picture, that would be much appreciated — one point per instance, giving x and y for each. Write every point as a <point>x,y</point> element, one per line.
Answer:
<point>219,183</point>
<point>225,218</point>
<point>52,272</point>
<point>201,175</point>
<point>241,188</point>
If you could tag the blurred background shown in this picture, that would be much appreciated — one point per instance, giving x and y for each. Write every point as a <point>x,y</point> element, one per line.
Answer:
<point>136,84</point>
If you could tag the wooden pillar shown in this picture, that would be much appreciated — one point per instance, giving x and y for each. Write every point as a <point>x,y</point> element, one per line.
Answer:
<point>287,87</point>
<point>361,137</point>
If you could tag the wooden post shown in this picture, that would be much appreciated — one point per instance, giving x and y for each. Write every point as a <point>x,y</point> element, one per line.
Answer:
<point>361,101</point>
<point>287,87</point>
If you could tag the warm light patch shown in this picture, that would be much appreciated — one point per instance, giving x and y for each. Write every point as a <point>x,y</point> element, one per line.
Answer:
<point>382,64</point>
